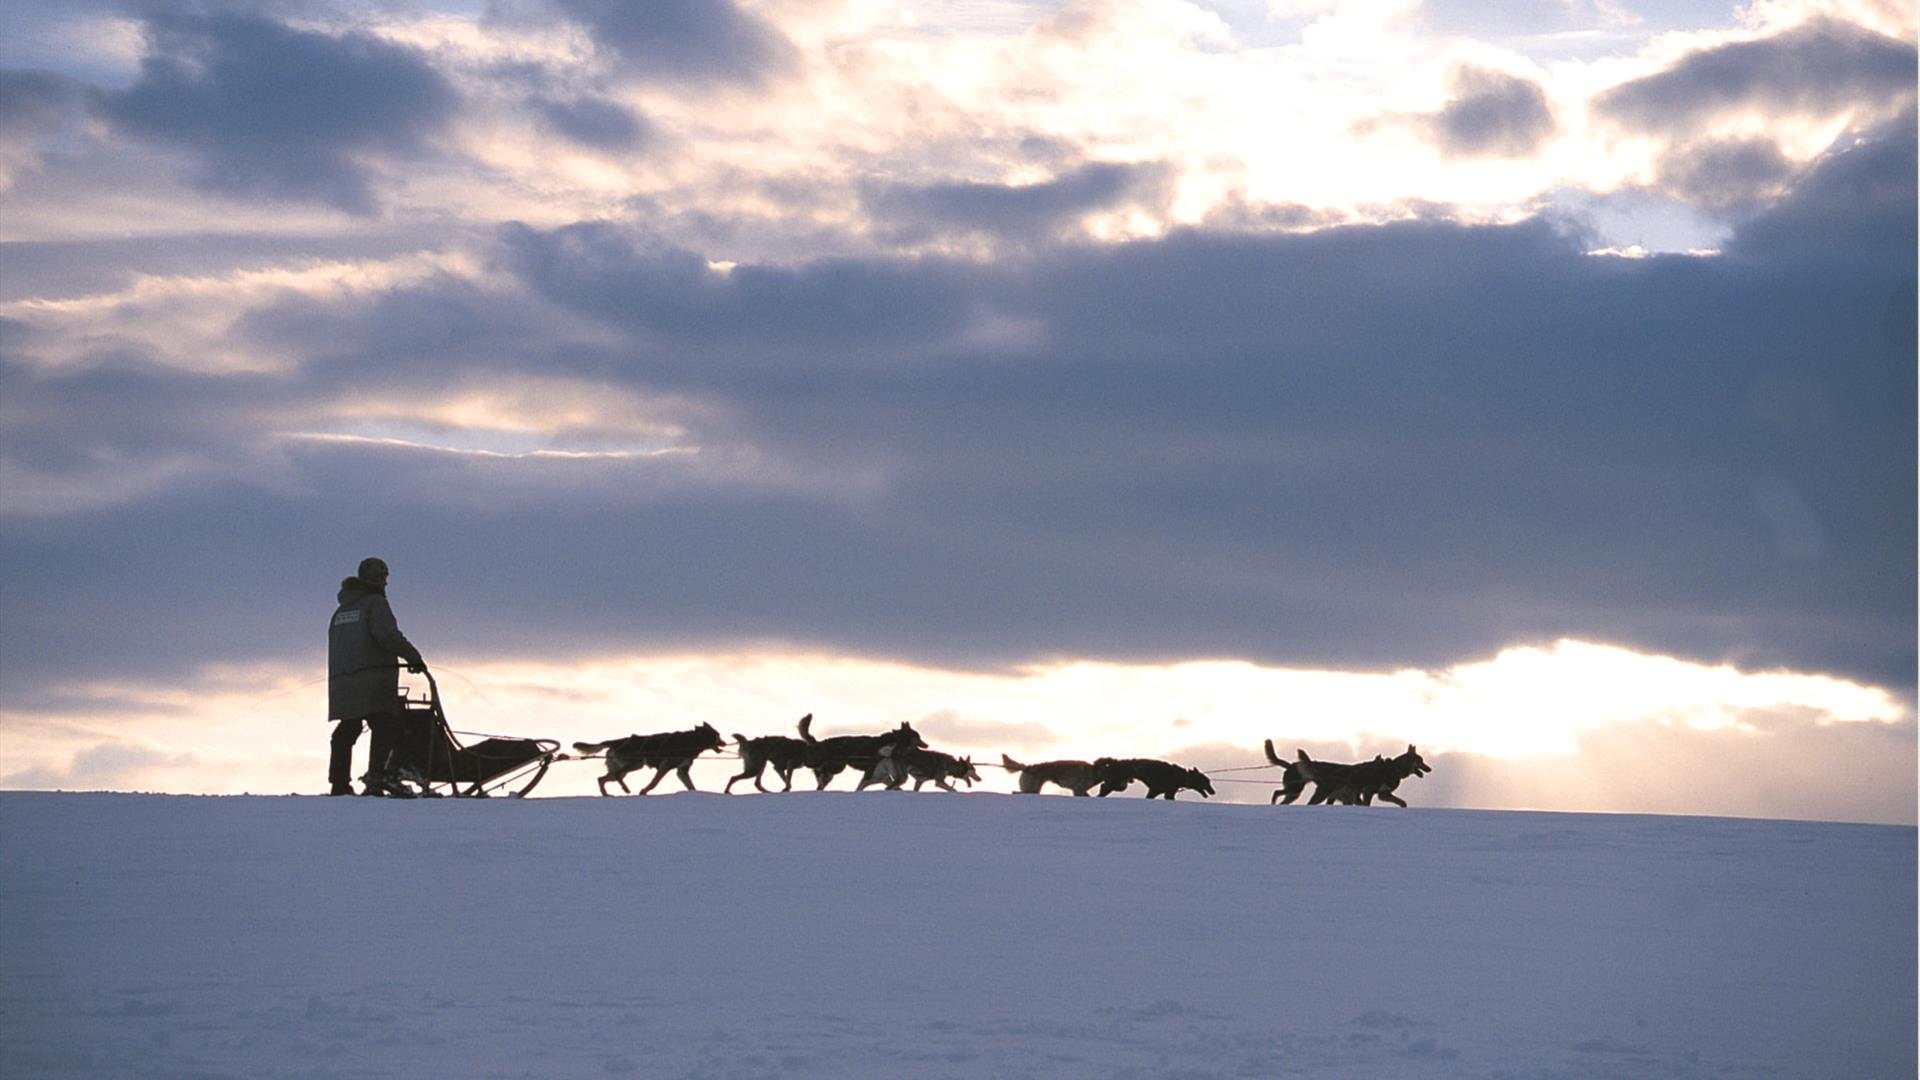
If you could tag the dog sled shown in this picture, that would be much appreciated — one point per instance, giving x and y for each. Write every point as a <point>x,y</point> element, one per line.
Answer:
<point>431,755</point>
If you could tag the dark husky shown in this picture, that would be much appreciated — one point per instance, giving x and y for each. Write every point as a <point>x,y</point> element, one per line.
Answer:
<point>1381,776</point>
<point>1163,778</point>
<point>1294,781</point>
<point>920,766</point>
<point>784,752</point>
<point>869,753</point>
<point>1335,782</point>
<point>1078,777</point>
<point>671,751</point>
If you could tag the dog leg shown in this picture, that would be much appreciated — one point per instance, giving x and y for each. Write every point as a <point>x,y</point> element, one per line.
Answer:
<point>658,773</point>
<point>686,774</point>
<point>1392,798</point>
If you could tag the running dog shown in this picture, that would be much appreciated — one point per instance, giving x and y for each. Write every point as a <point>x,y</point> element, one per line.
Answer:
<point>783,752</point>
<point>921,765</point>
<point>1078,777</point>
<point>1163,778</point>
<point>671,751</point>
<point>1377,779</point>
<point>1349,785</point>
<point>1294,781</point>
<point>871,754</point>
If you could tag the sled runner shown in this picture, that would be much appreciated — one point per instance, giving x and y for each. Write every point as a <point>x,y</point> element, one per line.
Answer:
<point>441,765</point>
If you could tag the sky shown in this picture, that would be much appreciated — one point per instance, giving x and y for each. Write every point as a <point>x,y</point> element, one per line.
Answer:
<point>1530,381</point>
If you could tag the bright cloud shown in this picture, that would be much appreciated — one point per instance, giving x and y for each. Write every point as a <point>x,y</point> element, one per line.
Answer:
<point>255,728</point>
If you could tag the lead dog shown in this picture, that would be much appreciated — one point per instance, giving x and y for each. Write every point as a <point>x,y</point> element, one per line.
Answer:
<point>871,754</point>
<point>1378,778</point>
<point>668,751</point>
<point>1078,777</point>
<point>783,752</point>
<point>1163,778</point>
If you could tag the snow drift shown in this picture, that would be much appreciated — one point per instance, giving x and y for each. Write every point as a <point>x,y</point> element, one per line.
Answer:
<point>890,934</point>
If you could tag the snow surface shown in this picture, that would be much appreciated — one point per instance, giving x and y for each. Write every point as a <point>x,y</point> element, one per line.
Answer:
<point>891,934</point>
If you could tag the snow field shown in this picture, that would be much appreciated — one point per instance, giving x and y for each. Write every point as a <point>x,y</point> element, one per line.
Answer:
<point>896,935</point>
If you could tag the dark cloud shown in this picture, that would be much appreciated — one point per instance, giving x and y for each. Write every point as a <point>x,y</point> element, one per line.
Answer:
<point>1491,114</point>
<point>1367,447</point>
<point>34,103</point>
<point>699,40</point>
<point>268,110</point>
<point>1821,67</point>
<point>592,121</point>
<point>1037,211</point>
<point>1726,174</point>
<point>1851,221</point>
<point>673,294</point>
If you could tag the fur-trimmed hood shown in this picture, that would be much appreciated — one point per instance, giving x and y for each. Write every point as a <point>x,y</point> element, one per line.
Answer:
<point>353,588</point>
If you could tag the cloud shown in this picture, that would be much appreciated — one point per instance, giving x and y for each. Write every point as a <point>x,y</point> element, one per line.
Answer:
<point>1358,448</point>
<point>270,111</point>
<point>34,105</point>
<point>1034,211</point>
<point>1851,216</point>
<point>1786,769</point>
<point>592,121</point>
<point>1491,114</point>
<point>107,766</point>
<point>1819,68</point>
<point>1727,174</point>
<point>696,40</point>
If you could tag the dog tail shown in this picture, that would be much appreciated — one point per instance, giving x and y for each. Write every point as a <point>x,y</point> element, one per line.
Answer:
<point>806,722</point>
<point>1272,758</point>
<point>1011,765</point>
<point>590,747</point>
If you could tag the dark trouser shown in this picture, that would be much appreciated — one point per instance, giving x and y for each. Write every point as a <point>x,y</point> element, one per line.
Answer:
<point>386,729</point>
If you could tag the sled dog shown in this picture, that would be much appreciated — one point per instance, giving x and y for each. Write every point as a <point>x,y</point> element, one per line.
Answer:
<point>671,751</point>
<point>783,752</point>
<point>872,754</point>
<point>1335,782</point>
<point>1163,778</point>
<point>1076,776</point>
<point>920,766</point>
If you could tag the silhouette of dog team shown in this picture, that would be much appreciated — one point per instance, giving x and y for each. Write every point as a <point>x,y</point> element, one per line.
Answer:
<point>366,650</point>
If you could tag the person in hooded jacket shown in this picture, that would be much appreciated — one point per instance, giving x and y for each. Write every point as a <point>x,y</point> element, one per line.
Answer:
<point>365,650</point>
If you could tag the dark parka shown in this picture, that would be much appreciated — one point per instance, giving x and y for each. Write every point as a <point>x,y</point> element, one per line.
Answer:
<point>364,651</point>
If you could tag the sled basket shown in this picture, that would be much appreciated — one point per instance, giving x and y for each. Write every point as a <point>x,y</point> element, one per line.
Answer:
<point>497,764</point>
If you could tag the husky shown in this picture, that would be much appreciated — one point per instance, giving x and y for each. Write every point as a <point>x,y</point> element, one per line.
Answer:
<point>1078,777</point>
<point>1349,785</point>
<point>871,754</point>
<point>1294,781</point>
<point>671,751</point>
<point>783,752</point>
<point>1377,779</point>
<point>1164,779</point>
<point>921,765</point>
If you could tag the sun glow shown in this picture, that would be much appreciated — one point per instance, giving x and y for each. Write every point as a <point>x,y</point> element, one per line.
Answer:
<point>259,729</point>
